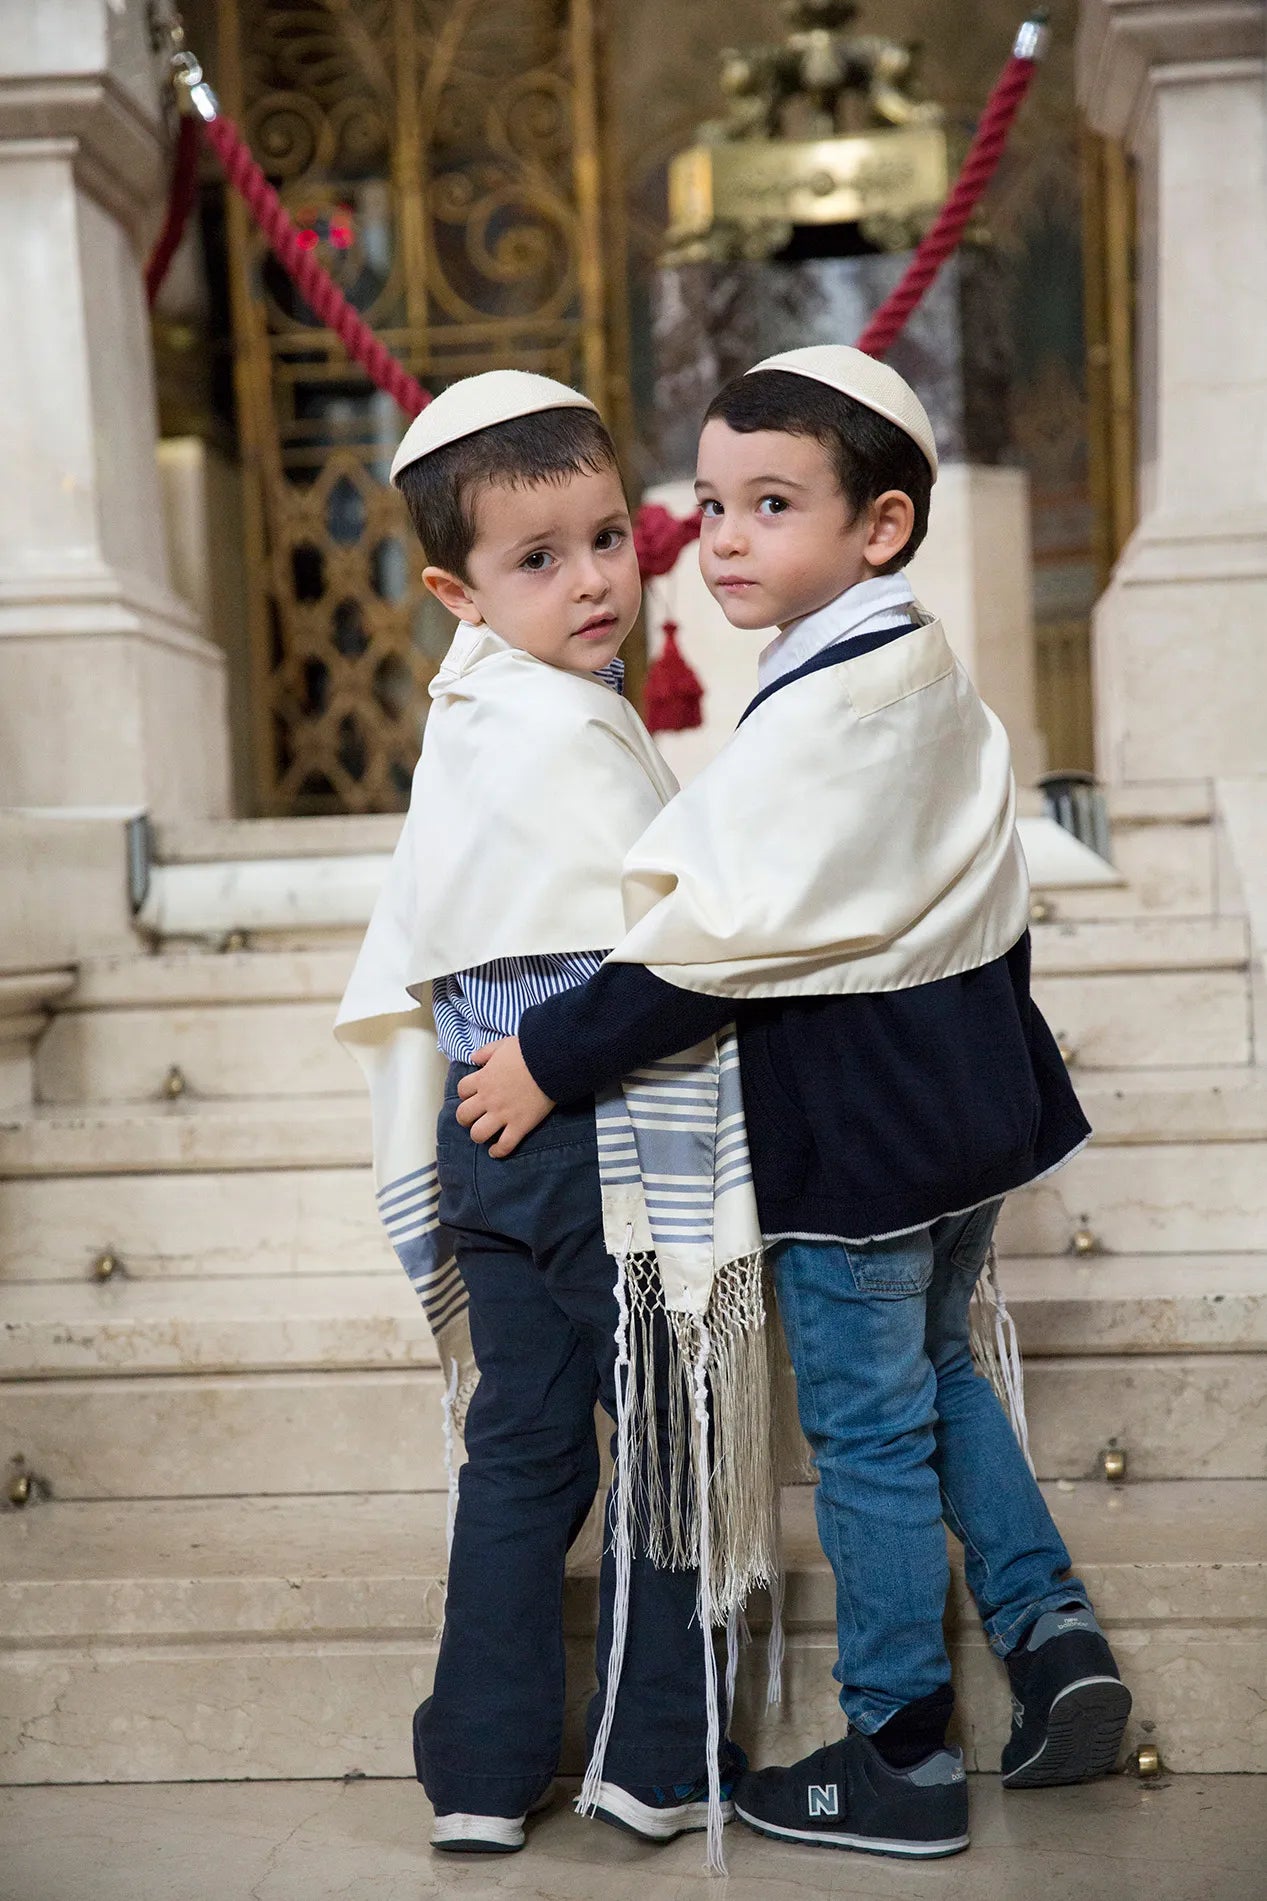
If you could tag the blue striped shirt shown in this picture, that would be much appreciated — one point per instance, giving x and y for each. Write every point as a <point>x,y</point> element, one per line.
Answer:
<point>474,1007</point>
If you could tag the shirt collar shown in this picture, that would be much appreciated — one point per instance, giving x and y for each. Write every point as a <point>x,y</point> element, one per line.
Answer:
<point>880,602</point>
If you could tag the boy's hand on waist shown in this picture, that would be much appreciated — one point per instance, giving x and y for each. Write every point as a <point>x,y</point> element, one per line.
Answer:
<point>502,1101</point>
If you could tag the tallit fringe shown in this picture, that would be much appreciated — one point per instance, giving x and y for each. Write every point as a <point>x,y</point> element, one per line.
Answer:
<point>776,1644</point>
<point>622,1516</point>
<point>715,1509</point>
<point>996,1350</point>
<point>742,1491</point>
<point>447,1406</point>
<point>705,1470</point>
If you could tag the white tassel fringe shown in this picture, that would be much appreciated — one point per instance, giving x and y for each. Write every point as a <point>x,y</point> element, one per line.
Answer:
<point>997,1350</point>
<point>716,1860</point>
<point>622,1534</point>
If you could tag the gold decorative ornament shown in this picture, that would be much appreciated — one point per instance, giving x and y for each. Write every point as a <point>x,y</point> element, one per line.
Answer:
<point>233,941</point>
<point>445,161</point>
<point>1085,1242</point>
<point>822,128</point>
<point>1041,910</point>
<point>1147,1761</point>
<point>20,1487</point>
<point>174,1083</point>
<point>1068,1054</point>
<point>1113,1464</point>
<point>106,1265</point>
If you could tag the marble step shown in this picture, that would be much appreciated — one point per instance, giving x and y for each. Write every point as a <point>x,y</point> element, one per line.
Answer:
<point>251,1049</point>
<point>222,841</point>
<point>1167,849</point>
<point>1182,1416</point>
<point>1209,1104</point>
<point>180,1226</point>
<point>293,1637</point>
<point>1120,1304</point>
<point>1177,1165</point>
<point>217,1326</point>
<point>166,1387</point>
<point>224,1435</point>
<point>1168,1198</point>
<point>1138,1304</point>
<point>259,1022</point>
<point>204,978</point>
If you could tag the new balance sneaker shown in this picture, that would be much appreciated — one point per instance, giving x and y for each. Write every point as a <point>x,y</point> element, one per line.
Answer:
<point>662,1814</point>
<point>1069,1705</point>
<point>847,1796</point>
<point>461,1834</point>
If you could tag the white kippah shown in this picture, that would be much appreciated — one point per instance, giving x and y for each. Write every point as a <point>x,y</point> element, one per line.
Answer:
<point>477,402</point>
<point>870,383</point>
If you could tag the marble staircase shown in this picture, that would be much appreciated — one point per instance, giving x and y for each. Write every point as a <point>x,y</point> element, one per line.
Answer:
<point>220,1401</point>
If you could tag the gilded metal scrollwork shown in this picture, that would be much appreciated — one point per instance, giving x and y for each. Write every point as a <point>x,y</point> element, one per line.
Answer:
<point>443,159</point>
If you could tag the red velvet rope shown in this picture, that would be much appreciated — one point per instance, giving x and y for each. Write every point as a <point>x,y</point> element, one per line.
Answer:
<point>941,239</point>
<point>180,202</point>
<point>315,285</point>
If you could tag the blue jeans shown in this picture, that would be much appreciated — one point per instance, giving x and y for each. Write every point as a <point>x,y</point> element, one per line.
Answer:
<point>542,1286</point>
<point>905,1433</point>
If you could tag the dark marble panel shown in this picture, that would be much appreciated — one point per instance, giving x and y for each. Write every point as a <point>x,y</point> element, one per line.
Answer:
<point>714,321</point>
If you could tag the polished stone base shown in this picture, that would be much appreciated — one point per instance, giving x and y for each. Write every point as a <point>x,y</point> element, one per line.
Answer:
<point>1187,1838</point>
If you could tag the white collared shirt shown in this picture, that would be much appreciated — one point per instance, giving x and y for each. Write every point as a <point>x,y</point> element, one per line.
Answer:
<point>885,601</point>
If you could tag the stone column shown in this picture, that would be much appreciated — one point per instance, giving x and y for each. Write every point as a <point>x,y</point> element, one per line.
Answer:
<point>1180,640</point>
<point>109,694</point>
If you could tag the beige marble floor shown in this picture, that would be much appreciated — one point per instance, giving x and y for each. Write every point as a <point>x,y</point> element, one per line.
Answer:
<point>1191,1838</point>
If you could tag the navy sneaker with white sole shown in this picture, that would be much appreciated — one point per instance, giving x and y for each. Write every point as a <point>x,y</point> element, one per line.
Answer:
<point>661,1814</point>
<point>1069,1705</point>
<point>459,1833</point>
<point>847,1796</point>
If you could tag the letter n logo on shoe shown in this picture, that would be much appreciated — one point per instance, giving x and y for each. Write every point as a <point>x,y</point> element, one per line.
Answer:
<point>824,1800</point>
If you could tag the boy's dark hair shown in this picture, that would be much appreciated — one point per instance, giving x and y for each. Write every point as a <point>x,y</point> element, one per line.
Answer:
<point>869,453</point>
<point>440,489</point>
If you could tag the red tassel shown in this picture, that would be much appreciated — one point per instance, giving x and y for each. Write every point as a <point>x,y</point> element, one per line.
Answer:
<point>660,537</point>
<point>673,696</point>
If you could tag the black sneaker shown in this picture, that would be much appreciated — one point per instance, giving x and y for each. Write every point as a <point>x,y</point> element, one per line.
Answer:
<point>846,1796</point>
<point>662,1814</point>
<point>1069,1705</point>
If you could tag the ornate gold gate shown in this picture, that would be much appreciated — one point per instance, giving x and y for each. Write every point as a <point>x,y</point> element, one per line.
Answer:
<point>443,159</point>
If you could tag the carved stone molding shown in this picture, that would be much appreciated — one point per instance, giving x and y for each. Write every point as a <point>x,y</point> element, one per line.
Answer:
<point>79,75</point>
<point>1126,48</point>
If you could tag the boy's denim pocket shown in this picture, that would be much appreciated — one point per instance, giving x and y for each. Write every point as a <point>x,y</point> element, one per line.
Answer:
<point>903,1265</point>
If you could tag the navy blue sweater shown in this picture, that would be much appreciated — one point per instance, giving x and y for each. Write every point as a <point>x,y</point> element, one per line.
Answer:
<point>867,1114</point>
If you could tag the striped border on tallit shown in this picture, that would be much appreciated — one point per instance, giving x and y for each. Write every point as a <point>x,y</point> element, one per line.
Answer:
<point>409,1209</point>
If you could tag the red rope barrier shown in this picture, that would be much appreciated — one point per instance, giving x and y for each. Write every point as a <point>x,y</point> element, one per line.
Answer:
<point>180,202</point>
<point>975,174</point>
<point>315,285</point>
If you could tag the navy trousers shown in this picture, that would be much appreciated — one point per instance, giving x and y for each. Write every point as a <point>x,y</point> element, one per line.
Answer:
<point>543,1321</point>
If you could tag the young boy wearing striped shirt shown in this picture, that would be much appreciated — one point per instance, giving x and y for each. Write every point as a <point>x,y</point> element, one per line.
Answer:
<point>535,778</point>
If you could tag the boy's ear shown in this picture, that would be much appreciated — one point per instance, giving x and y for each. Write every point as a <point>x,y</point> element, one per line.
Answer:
<point>892,520</point>
<point>452,592</point>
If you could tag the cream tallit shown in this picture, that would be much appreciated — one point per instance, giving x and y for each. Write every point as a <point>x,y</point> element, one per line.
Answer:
<point>857,833</point>
<point>532,785</point>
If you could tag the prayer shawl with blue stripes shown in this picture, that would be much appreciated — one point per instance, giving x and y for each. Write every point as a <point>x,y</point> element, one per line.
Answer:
<point>532,785</point>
